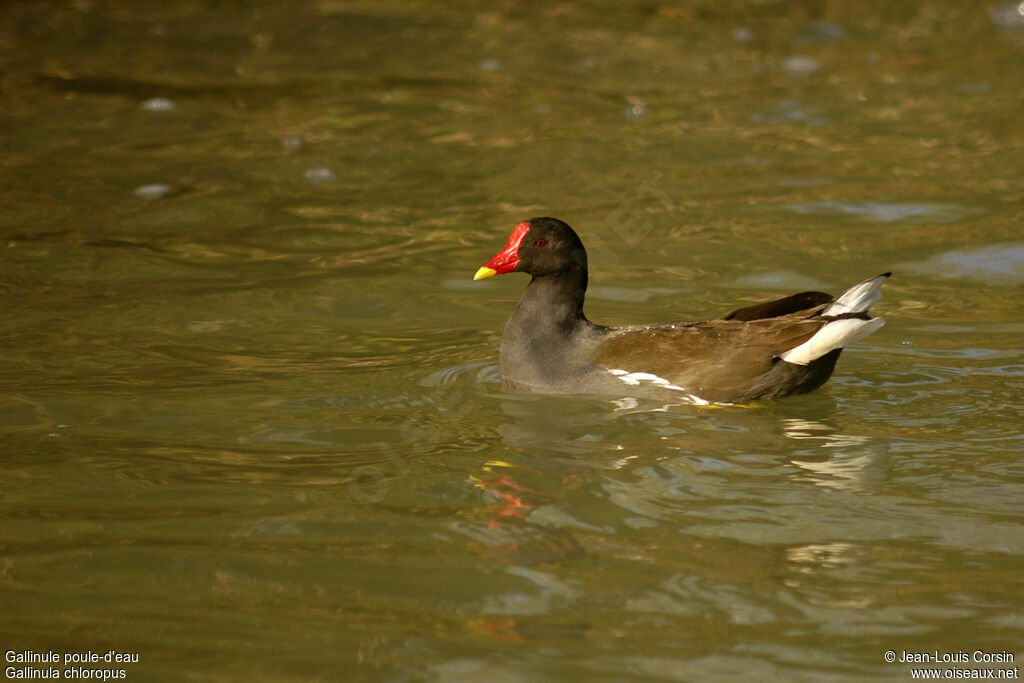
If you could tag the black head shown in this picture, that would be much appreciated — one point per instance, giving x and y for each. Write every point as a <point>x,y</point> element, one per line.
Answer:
<point>540,247</point>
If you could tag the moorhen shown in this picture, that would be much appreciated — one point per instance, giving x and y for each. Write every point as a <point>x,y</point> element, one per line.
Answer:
<point>769,350</point>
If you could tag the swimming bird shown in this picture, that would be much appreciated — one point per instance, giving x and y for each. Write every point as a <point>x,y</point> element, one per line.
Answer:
<point>769,350</point>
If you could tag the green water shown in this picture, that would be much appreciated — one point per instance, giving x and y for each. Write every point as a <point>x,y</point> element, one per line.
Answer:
<point>252,423</point>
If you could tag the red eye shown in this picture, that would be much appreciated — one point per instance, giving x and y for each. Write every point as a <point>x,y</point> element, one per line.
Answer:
<point>541,242</point>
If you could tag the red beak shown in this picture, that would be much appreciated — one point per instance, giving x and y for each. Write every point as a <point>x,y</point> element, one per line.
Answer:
<point>506,260</point>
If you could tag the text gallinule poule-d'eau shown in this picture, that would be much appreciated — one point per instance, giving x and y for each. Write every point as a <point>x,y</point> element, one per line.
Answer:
<point>769,350</point>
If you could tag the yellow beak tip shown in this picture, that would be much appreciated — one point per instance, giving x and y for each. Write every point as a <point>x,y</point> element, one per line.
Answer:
<point>484,273</point>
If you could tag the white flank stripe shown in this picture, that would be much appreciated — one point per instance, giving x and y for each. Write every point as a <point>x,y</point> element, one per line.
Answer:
<point>635,378</point>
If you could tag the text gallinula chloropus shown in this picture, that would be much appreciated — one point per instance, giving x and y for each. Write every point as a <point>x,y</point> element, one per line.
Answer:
<point>769,350</point>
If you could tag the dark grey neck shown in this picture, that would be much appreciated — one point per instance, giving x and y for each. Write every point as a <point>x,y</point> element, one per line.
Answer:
<point>554,300</point>
<point>548,337</point>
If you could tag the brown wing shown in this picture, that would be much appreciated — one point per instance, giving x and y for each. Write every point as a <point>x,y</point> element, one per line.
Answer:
<point>719,360</point>
<point>780,307</point>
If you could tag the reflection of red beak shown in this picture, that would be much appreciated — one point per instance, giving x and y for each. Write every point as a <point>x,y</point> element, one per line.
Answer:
<point>506,260</point>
